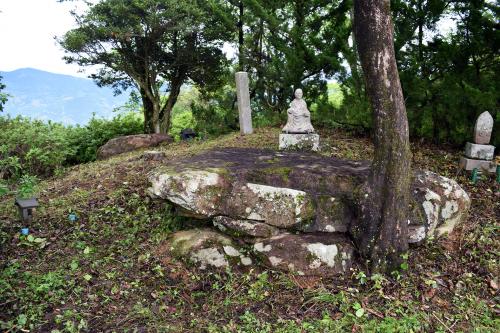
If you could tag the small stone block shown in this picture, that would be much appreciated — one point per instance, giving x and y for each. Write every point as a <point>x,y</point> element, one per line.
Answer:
<point>480,152</point>
<point>299,141</point>
<point>471,164</point>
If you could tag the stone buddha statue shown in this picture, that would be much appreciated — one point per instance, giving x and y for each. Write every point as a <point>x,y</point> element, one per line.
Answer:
<point>299,117</point>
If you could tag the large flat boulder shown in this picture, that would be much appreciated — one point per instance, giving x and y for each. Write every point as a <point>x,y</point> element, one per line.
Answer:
<point>209,193</point>
<point>297,191</point>
<point>124,144</point>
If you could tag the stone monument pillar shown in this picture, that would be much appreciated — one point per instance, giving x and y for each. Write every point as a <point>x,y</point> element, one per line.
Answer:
<point>243,94</point>
<point>298,133</point>
<point>480,154</point>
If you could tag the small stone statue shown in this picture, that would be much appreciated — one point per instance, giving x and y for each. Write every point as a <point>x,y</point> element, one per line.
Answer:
<point>299,117</point>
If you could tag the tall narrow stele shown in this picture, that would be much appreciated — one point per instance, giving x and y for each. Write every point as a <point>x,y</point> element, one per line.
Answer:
<point>243,94</point>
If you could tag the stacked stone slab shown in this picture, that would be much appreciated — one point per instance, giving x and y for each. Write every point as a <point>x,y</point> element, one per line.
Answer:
<point>289,211</point>
<point>479,155</point>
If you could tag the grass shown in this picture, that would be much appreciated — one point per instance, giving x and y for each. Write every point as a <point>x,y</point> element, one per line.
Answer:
<point>112,271</point>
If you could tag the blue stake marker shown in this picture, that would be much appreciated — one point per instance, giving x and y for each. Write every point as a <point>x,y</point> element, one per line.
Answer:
<point>474,175</point>
<point>25,231</point>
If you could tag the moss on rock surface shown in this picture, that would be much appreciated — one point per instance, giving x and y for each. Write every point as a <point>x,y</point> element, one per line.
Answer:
<point>299,191</point>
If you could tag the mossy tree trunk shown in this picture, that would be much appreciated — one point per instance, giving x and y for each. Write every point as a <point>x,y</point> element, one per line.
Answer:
<point>381,232</point>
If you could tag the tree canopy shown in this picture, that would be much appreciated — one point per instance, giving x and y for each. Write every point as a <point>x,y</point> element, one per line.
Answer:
<point>152,45</point>
<point>3,96</point>
<point>446,52</point>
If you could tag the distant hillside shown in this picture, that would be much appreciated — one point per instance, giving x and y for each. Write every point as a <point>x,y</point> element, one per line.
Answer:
<point>62,98</point>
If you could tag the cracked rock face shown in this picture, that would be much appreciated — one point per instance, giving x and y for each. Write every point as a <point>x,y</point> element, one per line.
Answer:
<point>207,193</point>
<point>196,191</point>
<point>249,228</point>
<point>307,254</point>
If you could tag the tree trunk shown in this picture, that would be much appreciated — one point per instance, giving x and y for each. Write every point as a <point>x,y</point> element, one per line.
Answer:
<point>381,232</point>
<point>166,112</point>
<point>148,107</point>
<point>241,37</point>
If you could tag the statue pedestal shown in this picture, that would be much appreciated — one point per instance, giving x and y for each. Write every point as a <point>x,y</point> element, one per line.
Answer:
<point>299,141</point>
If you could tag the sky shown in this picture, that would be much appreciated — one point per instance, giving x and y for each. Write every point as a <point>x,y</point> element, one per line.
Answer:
<point>27,30</point>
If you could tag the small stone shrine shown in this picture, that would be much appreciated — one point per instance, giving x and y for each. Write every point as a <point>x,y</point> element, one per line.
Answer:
<point>298,133</point>
<point>479,155</point>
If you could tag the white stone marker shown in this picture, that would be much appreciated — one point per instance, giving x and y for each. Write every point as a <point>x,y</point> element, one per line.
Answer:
<point>483,128</point>
<point>243,94</point>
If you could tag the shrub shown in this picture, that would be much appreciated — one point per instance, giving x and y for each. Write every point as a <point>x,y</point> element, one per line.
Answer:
<point>181,121</point>
<point>31,146</point>
<point>87,139</point>
<point>40,148</point>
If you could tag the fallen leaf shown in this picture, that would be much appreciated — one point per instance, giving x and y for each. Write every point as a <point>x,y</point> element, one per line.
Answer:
<point>493,284</point>
<point>429,293</point>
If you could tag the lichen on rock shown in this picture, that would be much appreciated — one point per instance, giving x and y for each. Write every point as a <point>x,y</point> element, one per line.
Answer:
<point>246,195</point>
<point>206,248</point>
<point>307,254</point>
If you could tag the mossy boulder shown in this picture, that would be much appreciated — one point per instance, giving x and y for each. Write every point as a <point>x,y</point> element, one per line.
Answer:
<point>297,191</point>
<point>206,248</point>
<point>124,144</point>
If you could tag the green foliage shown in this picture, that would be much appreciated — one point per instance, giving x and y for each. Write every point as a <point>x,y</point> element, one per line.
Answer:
<point>87,139</point>
<point>27,186</point>
<point>39,292</point>
<point>41,148</point>
<point>149,44</point>
<point>283,45</point>
<point>4,188</point>
<point>3,96</point>
<point>182,121</point>
<point>215,112</point>
<point>448,78</point>
<point>32,146</point>
<point>182,117</point>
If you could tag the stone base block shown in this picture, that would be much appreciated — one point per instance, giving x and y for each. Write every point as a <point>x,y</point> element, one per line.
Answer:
<point>299,141</point>
<point>482,165</point>
<point>480,152</point>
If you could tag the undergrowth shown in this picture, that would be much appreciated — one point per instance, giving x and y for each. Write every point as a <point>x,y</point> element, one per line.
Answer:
<point>96,260</point>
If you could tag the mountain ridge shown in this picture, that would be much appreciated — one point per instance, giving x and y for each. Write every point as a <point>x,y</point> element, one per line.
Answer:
<point>61,98</point>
